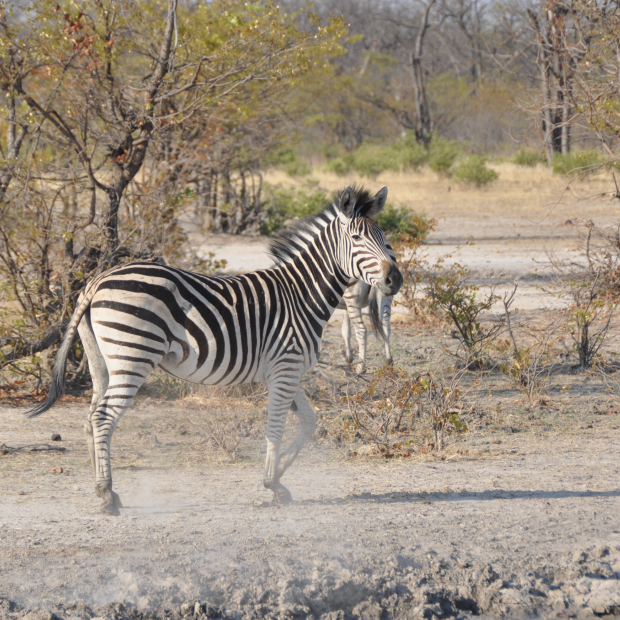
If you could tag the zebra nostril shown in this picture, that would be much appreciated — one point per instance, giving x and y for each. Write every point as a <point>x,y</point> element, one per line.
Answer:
<point>388,281</point>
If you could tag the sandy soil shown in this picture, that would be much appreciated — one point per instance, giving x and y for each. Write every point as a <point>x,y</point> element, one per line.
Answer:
<point>533,527</point>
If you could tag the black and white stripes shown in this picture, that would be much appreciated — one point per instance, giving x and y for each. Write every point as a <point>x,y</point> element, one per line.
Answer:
<point>264,326</point>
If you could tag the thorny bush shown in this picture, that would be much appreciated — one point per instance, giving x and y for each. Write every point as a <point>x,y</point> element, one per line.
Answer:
<point>527,365</point>
<point>458,299</point>
<point>591,285</point>
<point>394,413</point>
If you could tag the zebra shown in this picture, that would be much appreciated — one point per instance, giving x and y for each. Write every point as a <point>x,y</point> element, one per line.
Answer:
<point>265,326</point>
<point>357,296</point>
<point>360,295</point>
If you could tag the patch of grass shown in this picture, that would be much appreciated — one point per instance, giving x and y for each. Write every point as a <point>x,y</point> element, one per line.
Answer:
<point>577,162</point>
<point>474,171</point>
<point>527,158</point>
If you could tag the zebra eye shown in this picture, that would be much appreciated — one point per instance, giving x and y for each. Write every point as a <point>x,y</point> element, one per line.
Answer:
<point>355,237</point>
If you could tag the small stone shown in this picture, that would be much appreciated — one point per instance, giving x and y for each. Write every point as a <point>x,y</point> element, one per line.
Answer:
<point>57,470</point>
<point>144,602</point>
<point>187,609</point>
<point>56,437</point>
<point>559,604</point>
<point>600,551</point>
<point>579,557</point>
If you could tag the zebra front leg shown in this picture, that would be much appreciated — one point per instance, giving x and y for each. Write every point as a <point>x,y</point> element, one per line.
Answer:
<point>346,336</point>
<point>354,310</point>
<point>307,425</point>
<point>386,314</point>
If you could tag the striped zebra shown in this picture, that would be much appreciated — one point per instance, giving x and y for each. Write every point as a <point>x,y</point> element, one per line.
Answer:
<point>264,326</point>
<point>360,295</point>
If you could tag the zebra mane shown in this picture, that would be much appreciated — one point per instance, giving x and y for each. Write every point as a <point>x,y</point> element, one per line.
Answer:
<point>292,241</point>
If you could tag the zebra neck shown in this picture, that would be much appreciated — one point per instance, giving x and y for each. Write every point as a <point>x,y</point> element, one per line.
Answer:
<point>317,278</point>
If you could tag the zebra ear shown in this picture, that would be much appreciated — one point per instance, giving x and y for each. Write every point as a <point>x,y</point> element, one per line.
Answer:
<point>374,206</point>
<point>346,201</point>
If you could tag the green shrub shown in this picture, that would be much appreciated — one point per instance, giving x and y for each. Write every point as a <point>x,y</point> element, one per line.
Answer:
<point>288,159</point>
<point>284,205</point>
<point>526,157</point>
<point>475,172</point>
<point>402,221</point>
<point>442,154</point>
<point>341,165</point>
<point>583,162</point>
<point>409,153</point>
<point>297,168</point>
<point>332,151</point>
<point>370,160</point>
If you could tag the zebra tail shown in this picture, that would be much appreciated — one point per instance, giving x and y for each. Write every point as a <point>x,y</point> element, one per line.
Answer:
<point>57,387</point>
<point>374,310</point>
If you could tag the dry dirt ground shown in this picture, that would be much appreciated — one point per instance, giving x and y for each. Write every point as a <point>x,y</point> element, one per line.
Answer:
<point>519,518</point>
<point>530,526</point>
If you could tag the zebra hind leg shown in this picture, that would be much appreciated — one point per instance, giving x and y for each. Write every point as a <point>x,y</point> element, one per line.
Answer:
<point>307,425</point>
<point>346,336</point>
<point>100,376</point>
<point>117,399</point>
<point>281,395</point>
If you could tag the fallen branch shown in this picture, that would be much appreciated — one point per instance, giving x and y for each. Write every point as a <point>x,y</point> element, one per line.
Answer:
<point>41,447</point>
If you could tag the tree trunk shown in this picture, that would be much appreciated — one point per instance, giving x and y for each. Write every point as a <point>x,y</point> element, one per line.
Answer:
<point>565,140</point>
<point>14,141</point>
<point>423,121</point>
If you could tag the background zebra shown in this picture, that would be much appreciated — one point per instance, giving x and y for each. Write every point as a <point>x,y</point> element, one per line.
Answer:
<point>360,295</point>
<point>263,326</point>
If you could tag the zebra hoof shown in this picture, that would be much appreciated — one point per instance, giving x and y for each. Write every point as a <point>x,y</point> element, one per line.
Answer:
<point>389,362</point>
<point>110,509</point>
<point>281,495</point>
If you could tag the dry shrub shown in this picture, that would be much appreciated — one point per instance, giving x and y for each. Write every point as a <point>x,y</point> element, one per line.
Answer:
<point>591,283</point>
<point>394,412</point>
<point>442,400</point>
<point>452,293</point>
<point>220,425</point>
<point>530,363</point>
<point>213,423</point>
<point>416,267</point>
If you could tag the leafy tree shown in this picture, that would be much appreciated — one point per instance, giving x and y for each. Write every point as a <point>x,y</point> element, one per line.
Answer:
<point>112,111</point>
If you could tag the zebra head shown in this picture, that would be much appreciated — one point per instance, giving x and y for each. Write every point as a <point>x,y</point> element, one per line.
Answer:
<point>363,252</point>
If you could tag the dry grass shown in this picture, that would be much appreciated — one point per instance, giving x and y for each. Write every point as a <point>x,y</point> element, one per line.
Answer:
<point>518,191</point>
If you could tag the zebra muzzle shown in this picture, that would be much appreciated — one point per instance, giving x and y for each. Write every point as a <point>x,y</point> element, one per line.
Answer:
<point>392,279</point>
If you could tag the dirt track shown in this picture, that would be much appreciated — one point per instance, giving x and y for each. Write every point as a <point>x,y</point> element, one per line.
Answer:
<point>534,528</point>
